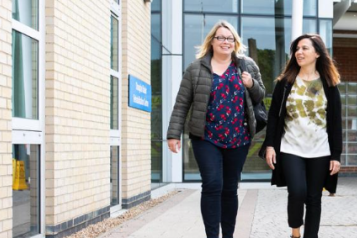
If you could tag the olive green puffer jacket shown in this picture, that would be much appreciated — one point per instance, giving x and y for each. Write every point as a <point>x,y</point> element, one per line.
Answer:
<point>195,92</point>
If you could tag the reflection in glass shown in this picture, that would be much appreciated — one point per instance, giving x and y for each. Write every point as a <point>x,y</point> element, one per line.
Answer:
<point>114,103</point>
<point>114,175</point>
<point>352,157</point>
<point>155,36</point>
<point>277,7</point>
<point>191,171</point>
<point>352,88</point>
<point>114,38</point>
<point>196,27</point>
<point>229,6</point>
<point>309,26</point>
<point>25,197</point>
<point>352,99</point>
<point>326,33</point>
<point>310,8</point>
<point>26,12</point>
<point>24,76</point>
<point>268,41</point>
<point>156,102</point>
<point>350,121</point>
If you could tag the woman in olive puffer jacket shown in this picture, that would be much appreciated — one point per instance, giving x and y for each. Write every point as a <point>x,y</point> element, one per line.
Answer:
<point>222,122</point>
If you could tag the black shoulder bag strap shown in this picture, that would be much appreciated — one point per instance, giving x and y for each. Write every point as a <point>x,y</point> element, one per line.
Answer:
<point>242,66</point>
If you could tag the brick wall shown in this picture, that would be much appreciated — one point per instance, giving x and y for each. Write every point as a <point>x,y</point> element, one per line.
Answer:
<point>77,112</point>
<point>5,120</point>
<point>136,142</point>
<point>345,54</point>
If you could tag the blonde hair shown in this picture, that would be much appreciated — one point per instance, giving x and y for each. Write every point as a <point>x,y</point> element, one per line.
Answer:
<point>206,46</point>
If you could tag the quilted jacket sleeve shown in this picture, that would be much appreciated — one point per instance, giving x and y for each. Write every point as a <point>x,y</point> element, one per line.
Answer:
<point>257,92</point>
<point>182,106</point>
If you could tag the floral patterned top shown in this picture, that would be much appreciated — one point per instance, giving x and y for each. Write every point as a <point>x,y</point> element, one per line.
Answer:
<point>225,123</point>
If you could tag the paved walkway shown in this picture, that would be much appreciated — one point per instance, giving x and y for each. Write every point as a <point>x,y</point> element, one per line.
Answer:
<point>262,214</point>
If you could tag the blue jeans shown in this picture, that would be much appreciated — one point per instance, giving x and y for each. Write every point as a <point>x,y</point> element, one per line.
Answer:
<point>305,179</point>
<point>220,171</point>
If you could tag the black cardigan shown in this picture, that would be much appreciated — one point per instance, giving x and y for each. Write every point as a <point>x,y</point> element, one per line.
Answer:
<point>275,129</point>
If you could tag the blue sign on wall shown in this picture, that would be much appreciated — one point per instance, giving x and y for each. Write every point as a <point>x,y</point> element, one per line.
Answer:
<point>139,94</point>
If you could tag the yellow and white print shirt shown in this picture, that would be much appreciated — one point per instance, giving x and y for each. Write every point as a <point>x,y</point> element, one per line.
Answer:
<point>305,122</point>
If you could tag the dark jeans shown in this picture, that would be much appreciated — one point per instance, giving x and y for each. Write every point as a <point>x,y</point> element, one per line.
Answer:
<point>305,179</point>
<point>220,171</point>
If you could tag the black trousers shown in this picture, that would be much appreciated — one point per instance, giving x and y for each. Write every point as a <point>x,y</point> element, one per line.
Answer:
<point>305,180</point>
<point>220,171</point>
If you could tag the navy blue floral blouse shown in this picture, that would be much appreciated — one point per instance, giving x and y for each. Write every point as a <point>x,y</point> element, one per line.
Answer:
<point>225,113</point>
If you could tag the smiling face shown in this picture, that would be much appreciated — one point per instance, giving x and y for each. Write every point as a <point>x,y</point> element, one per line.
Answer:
<point>223,47</point>
<point>305,53</point>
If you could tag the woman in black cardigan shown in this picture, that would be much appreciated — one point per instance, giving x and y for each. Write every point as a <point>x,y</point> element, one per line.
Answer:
<point>303,141</point>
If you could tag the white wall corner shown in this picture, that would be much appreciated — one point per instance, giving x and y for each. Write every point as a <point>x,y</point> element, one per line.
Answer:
<point>325,8</point>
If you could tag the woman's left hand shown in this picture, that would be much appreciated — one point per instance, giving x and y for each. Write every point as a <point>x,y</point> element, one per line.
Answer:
<point>247,79</point>
<point>334,167</point>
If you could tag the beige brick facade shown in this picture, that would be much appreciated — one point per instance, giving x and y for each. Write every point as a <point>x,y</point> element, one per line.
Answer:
<point>5,120</point>
<point>136,137</point>
<point>77,109</point>
<point>77,113</point>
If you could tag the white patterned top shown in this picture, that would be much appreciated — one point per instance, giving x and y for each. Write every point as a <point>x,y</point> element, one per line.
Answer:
<point>305,122</point>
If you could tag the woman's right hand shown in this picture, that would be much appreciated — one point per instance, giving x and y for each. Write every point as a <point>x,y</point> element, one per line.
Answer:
<point>270,157</point>
<point>174,145</point>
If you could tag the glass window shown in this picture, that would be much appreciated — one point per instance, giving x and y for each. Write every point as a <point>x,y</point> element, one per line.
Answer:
<point>326,33</point>
<point>114,37</point>
<point>156,5</point>
<point>309,26</point>
<point>155,36</point>
<point>196,27</point>
<point>114,103</point>
<point>190,167</point>
<point>24,76</point>
<point>156,102</point>
<point>277,7</point>
<point>268,40</point>
<point>350,122</point>
<point>114,175</point>
<point>26,190</point>
<point>310,8</point>
<point>26,12</point>
<point>228,6</point>
<point>352,88</point>
<point>352,155</point>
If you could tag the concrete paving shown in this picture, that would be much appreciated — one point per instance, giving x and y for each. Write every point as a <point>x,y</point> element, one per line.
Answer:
<point>262,214</point>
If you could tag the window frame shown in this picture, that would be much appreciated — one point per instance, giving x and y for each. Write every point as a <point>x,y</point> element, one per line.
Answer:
<point>115,135</point>
<point>33,124</point>
<point>115,12</point>
<point>30,131</point>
